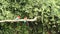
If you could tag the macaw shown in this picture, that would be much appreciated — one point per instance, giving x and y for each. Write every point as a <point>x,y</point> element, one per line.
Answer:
<point>17,18</point>
<point>25,18</point>
<point>27,24</point>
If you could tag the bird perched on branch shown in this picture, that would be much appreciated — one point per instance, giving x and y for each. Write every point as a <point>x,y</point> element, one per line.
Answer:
<point>25,18</point>
<point>17,18</point>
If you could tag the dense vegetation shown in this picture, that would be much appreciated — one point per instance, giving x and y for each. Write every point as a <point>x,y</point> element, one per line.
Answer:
<point>47,23</point>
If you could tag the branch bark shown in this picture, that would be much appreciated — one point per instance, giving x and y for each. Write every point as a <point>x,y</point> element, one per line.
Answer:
<point>19,20</point>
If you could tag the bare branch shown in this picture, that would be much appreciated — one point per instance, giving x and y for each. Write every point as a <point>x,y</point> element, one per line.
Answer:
<point>19,20</point>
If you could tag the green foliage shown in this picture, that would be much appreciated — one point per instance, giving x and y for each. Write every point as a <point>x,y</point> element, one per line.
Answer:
<point>48,10</point>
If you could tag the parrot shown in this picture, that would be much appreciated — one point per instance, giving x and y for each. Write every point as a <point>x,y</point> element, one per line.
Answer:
<point>17,18</point>
<point>27,24</point>
<point>25,18</point>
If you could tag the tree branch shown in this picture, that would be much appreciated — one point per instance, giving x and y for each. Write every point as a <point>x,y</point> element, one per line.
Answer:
<point>19,20</point>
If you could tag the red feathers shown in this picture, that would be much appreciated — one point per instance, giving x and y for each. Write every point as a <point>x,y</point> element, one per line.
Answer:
<point>18,17</point>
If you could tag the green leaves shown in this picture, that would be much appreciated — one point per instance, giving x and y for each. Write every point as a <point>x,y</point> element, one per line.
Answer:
<point>47,9</point>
